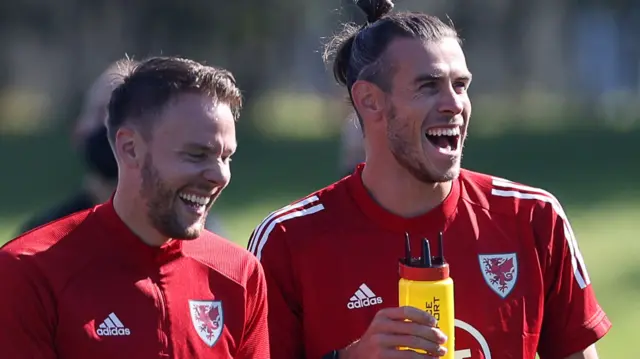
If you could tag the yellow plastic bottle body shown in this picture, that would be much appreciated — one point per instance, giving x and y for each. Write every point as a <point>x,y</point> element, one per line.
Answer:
<point>436,298</point>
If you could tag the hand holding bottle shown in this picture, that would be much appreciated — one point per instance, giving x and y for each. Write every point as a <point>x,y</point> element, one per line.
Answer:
<point>392,328</point>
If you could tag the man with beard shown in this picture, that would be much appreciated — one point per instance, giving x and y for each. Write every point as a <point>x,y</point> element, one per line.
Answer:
<point>90,140</point>
<point>332,258</point>
<point>138,276</point>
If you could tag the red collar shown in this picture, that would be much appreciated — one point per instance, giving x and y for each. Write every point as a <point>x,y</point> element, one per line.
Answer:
<point>437,218</point>
<point>129,243</point>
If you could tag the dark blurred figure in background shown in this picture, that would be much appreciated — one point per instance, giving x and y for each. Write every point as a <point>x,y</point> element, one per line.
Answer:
<point>90,141</point>
<point>89,138</point>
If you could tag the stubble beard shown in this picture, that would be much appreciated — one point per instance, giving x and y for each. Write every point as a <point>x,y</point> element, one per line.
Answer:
<point>161,205</point>
<point>406,154</point>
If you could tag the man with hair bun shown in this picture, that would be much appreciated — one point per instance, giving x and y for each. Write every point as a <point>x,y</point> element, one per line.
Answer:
<point>138,276</point>
<point>331,258</point>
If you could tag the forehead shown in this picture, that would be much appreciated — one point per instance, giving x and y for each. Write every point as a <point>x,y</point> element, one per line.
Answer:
<point>195,118</point>
<point>414,57</point>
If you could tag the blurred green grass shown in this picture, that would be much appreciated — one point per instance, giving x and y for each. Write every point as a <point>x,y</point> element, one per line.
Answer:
<point>594,173</point>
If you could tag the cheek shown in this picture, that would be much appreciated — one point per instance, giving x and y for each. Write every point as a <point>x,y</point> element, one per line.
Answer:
<point>413,118</point>
<point>177,172</point>
<point>420,108</point>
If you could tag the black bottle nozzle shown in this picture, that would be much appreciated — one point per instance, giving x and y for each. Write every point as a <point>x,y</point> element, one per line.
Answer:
<point>426,254</point>
<point>407,249</point>
<point>425,260</point>
<point>440,249</point>
<point>424,267</point>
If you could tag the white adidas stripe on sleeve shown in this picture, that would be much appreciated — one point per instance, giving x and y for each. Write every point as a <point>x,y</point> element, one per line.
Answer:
<point>261,233</point>
<point>511,189</point>
<point>258,231</point>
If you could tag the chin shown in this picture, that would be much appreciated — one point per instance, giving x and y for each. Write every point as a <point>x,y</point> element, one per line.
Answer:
<point>184,231</point>
<point>448,175</point>
<point>191,235</point>
<point>194,231</point>
<point>442,171</point>
<point>428,174</point>
<point>187,235</point>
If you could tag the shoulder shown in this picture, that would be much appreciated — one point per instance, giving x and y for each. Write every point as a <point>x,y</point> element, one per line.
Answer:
<point>223,256</point>
<point>45,236</point>
<point>31,252</point>
<point>503,196</point>
<point>314,213</point>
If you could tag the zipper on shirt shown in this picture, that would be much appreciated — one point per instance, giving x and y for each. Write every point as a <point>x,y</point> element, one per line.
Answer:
<point>164,325</point>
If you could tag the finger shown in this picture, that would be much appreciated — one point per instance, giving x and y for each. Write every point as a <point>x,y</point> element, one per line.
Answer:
<point>388,326</point>
<point>406,354</point>
<point>409,341</point>
<point>402,354</point>
<point>411,313</point>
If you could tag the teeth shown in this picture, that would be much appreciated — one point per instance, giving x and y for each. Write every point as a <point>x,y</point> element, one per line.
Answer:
<point>203,201</point>
<point>455,131</point>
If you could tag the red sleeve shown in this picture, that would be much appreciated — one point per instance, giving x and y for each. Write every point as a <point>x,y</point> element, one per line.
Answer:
<point>285,310</point>
<point>26,312</point>
<point>255,343</point>
<point>573,319</point>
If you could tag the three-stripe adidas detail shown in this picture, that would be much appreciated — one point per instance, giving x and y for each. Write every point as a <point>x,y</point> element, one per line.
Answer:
<point>261,234</point>
<point>364,297</point>
<point>507,188</point>
<point>112,326</point>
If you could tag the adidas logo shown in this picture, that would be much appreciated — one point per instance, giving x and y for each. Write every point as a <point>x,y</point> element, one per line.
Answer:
<point>363,297</point>
<point>112,326</point>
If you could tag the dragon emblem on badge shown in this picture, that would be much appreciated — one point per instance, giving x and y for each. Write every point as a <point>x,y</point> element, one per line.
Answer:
<point>208,320</point>
<point>500,271</point>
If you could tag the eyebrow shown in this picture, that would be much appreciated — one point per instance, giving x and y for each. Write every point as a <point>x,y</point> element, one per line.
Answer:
<point>199,146</point>
<point>208,148</point>
<point>434,77</point>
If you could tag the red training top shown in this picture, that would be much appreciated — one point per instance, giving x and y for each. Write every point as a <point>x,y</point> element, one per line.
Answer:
<point>86,287</point>
<point>520,282</point>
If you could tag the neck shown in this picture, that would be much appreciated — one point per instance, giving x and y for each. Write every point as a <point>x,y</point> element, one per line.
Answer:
<point>133,214</point>
<point>399,192</point>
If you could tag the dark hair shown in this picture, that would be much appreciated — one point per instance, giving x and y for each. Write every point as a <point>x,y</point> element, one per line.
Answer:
<point>153,83</point>
<point>358,51</point>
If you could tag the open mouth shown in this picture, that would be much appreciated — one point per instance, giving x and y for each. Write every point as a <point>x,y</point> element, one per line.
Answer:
<point>447,140</point>
<point>196,203</point>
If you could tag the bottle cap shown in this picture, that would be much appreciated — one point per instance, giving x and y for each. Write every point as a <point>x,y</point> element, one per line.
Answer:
<point>424,274</point>
<point>425,267</point>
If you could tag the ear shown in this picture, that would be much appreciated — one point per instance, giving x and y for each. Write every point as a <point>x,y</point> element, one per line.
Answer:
<point>129,147</point>
<point>368,99</point>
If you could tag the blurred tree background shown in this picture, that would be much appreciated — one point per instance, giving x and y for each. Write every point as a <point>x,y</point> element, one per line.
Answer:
<point>555,93</point>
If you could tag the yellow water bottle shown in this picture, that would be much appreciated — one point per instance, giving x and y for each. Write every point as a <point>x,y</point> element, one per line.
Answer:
<point>425,284</point>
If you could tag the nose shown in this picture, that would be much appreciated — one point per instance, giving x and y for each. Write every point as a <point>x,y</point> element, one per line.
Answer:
<point>217,174</point>
<point>451,102</point>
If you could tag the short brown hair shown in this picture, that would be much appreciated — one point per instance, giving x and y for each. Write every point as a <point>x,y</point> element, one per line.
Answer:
<point>153,83</point>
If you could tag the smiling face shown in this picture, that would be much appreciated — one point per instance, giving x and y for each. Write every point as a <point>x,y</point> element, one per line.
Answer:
<point>186,164</point>
<point>428,108</point>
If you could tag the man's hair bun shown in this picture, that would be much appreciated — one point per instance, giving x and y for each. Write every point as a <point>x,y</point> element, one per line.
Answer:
<point>375,9</point>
